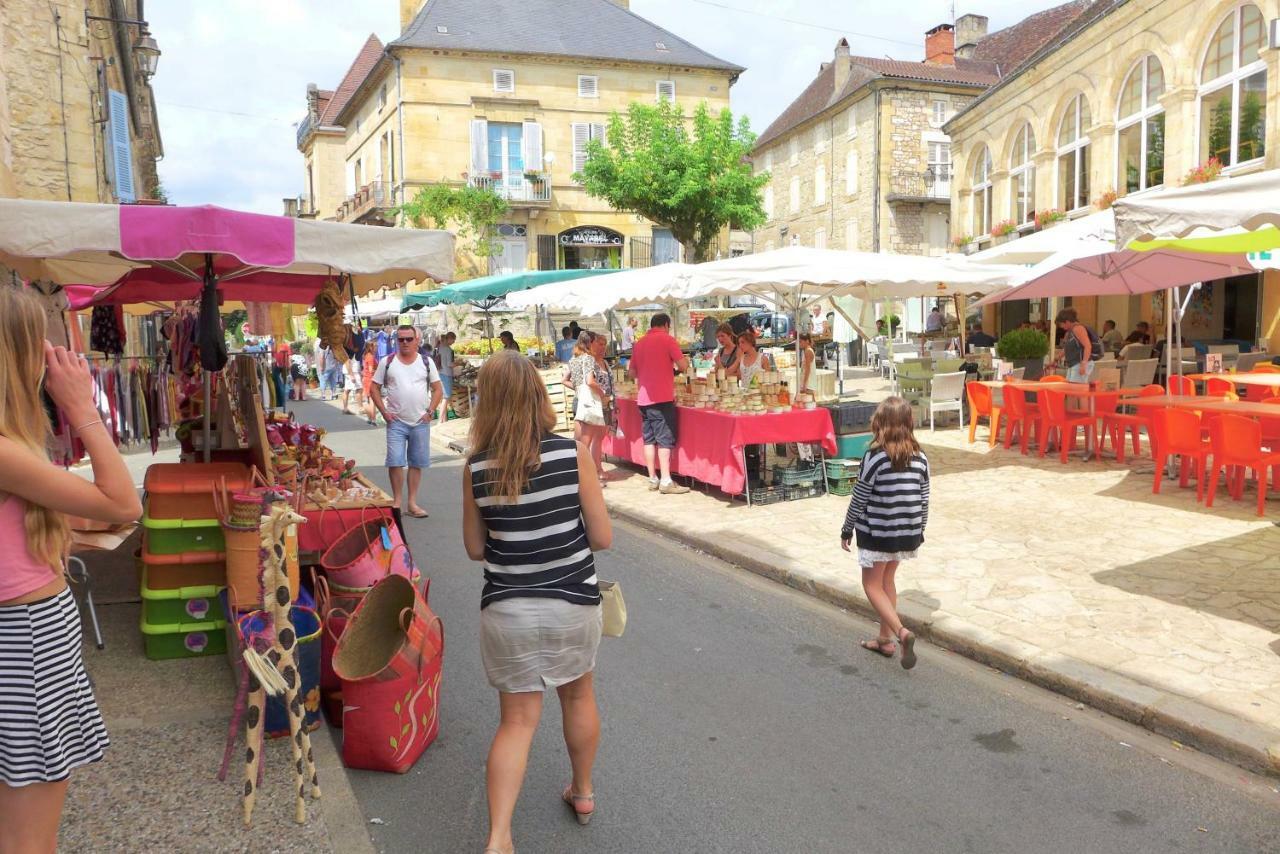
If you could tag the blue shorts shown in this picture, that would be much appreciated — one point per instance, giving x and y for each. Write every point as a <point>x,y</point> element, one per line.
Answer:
<point>447,382</point>
<point>408,444</point>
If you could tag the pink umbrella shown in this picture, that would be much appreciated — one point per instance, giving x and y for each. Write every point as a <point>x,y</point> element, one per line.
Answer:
<point>1120,273</point>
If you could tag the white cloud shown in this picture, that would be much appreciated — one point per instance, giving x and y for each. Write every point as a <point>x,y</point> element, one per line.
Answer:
<point>232,78</point>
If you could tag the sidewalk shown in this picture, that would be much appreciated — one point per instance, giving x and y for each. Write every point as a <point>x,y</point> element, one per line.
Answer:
<point>1151,608</point>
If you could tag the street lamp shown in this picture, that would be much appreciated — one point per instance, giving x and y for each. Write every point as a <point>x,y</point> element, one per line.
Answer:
<point>148,52</point>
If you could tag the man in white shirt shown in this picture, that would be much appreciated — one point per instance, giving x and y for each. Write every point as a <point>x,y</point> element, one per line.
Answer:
<point>407,390</point>
<point>935,321</point>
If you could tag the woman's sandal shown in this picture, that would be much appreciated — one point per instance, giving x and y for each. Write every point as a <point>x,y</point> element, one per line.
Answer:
<point>908,648</point>
<point>583,816</point>
<point>883,646</point>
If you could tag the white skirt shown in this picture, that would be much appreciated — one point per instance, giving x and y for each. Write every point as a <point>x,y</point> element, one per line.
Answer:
<point>534,643</point>
<point>868,558</point>
<point>49,720</point>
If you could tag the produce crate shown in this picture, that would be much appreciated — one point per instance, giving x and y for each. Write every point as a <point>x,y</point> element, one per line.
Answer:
<point>193,569</point>
<point>841,486</point>
<point>852,447</point>
<point>179,536</point>
<point>185,490</point>
<point>850,416</point>
<point>796,493</point>
<point>162,606</point>
<point>841,469</point>
<point>184,640</point>
<point>767,495</point>
<point>797,474</point>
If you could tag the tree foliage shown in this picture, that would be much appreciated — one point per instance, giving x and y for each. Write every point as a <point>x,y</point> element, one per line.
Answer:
<point>470,212</point>
<point>689,175</point>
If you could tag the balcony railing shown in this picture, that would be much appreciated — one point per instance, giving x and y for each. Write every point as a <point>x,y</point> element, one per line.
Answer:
<point>376,198</point>
<point>908,188</point>
<point>515,188</point>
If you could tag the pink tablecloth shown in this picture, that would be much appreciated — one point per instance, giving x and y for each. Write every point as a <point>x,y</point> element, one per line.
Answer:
<point>709,444</point>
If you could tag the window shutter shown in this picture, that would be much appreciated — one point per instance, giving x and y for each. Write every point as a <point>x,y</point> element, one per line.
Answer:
<point>768,203</point>
<point>851,235</point>
<point>795,195</point>
<point>479,146</point>
<point>581,133</point>
<point>121,148</point>
<point>546,252</point>
<point>532,146</point>
<point>666,91</point>
<point>504,80</point>
<point>820,184</point>
<point>351,178</point>
<point>820,239</point>
<point>588,86</point>
<point>851,173</point>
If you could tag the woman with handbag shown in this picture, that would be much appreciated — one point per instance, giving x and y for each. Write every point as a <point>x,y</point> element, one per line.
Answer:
<point>589,422</point>
<point>533,512</point>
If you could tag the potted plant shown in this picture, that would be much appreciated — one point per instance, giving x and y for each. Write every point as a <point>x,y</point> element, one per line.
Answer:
<point>1208,171</point>
<point>964,243</point>
<point>1045,219</point>
<point>1106,200</point>
<point>1025,348</point>
<point>893,320</point>
<point>1003,231</point>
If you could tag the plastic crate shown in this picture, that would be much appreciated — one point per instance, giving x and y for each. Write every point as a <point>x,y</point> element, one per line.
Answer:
<point>184,640</point>
<point>766,495</point>
<point>852,447</point>
<point>843,486</point>
<point>841,469</point>
<point>850,416</point>
<point>192,569</point>
<point>180,536</point>
<point>793,475</point>
<point>796,493</point>
<point>185,490</point>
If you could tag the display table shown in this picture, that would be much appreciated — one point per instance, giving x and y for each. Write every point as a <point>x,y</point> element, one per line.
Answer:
<point>710,444</point>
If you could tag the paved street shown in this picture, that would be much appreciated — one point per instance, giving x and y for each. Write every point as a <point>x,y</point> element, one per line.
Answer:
<point>739,717</point>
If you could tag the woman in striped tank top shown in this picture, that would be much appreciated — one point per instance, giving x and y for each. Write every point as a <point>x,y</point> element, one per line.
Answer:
<point>534,514</point>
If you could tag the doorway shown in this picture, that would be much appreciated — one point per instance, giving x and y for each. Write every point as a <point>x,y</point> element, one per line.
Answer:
<point>1240,308</point>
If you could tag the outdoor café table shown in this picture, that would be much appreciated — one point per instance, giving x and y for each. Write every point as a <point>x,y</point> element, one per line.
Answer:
<point>711,445</point>
<point>1206,403</point>
<point>1080,391</point>
<point>1260,380</point>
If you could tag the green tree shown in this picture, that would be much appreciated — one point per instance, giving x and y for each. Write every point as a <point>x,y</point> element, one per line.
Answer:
<point>472,213</point>
<point>691,176</point>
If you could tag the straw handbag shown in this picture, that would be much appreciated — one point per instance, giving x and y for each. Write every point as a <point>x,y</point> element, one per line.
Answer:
<point>614,607</point>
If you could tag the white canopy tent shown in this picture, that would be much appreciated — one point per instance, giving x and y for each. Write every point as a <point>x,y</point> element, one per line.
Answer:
<point>1230,215</point>
<point>1087,235</point>
<point>598,294</point>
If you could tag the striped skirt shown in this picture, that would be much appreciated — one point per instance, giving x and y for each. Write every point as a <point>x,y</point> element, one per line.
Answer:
<point>49,721</point>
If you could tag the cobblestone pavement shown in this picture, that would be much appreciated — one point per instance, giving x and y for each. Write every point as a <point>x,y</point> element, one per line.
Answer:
<point>1152,607</point>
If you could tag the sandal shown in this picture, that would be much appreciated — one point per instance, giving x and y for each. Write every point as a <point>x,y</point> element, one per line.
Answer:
<point>908,648</point>
<point>883,646</point>
<point>583,816</point>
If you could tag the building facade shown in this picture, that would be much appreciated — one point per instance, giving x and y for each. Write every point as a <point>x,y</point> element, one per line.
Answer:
<point>1133,96</point>
<point>78,118</point>
<point>467,97</point>
<point>861,159</point>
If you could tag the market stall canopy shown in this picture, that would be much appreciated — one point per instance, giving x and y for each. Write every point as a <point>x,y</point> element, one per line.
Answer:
<point>1234,215</point>
<point>1095,233</point>
<point>595,296</point>
<point>1125,272</point>
<point>131,246</point>
<point>491,288</point>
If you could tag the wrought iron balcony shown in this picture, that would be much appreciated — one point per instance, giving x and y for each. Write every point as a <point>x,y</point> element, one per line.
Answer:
<point>532,188</point>
<point>372,204</point>
<point>918,189</point>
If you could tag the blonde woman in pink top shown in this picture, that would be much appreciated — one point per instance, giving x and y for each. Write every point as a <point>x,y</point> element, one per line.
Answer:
<point>49,720</point>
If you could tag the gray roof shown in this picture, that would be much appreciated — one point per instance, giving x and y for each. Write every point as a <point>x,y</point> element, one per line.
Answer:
<point>595,29</point>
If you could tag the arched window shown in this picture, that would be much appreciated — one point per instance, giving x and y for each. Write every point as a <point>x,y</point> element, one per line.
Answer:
<point>1022,175</point>
<point>982,193</point>
<point>1073,155</point>
<point>1140,119</point>
<point>1233,90</point>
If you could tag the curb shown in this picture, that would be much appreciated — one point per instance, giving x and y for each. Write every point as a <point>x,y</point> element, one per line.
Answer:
<point>1251,746</point>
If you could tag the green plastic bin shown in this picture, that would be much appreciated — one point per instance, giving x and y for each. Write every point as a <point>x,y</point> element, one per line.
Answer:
<point>180,536</point>
<point>853,446</point>
<point>184,640</point>
<point>181,604</point>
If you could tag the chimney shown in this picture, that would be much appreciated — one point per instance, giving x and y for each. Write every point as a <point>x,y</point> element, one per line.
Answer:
<point>409,10</point>
<point>841,67</point>
<point>940,45</point>
<point>970,29</point>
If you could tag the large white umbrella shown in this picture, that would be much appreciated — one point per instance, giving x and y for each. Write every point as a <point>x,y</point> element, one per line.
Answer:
<point>1096,232</point>
<point>1229,215</point>
<point>598,294</point>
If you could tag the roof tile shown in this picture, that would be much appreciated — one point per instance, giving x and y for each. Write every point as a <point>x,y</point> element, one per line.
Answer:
<point>365,60</point>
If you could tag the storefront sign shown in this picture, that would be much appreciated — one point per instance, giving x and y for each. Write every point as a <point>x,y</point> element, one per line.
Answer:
<point>590,235</point>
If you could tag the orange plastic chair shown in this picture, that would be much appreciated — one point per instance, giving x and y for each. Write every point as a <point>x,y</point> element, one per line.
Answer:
<point>1057,417</point>
<point>1053,378</point>
<point>1237,446</point>
<point>1217,385</point>
<point>1271,426</point>
<point>1259,393</point>
<point>1265,368</point>
<point>982,404</point>
<point>1021,416</point>
<point>1181,385</point>
<point>1117,424</point>
<point>1178,435</point>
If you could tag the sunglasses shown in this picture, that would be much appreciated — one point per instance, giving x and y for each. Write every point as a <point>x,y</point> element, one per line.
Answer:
<point>405,340</point>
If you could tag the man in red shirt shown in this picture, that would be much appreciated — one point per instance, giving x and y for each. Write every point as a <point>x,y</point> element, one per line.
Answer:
<point>654,360</point>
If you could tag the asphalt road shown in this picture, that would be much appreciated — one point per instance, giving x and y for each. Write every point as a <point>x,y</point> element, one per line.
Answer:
<point>739,716</point>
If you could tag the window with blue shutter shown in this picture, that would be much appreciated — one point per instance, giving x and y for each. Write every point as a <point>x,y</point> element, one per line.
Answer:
<point>119,148</point>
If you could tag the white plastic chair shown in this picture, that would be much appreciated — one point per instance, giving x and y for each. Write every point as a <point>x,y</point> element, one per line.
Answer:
<point>1135,351</point>
<point>1248,361</point>
<point>947,395</point>
<point>1018,373</point>
<point>1138,373</point>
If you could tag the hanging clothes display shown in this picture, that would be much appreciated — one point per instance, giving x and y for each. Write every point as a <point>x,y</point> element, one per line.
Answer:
<point>107,334</point>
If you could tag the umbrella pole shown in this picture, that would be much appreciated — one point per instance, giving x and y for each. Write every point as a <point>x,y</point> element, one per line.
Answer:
<point>208,386</point>
<point>1170,300</point>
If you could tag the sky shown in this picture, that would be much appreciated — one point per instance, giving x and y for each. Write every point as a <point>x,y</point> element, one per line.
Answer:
<point>232,79</point>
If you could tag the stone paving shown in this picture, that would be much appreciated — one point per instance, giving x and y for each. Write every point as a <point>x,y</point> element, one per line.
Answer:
<point>1152,607</point>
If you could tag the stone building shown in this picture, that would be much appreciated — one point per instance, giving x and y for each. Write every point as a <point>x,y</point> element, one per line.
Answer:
<point>77,115</point>
<point>860,160</point>
<point>1130,97</point>
<point>468,94</point>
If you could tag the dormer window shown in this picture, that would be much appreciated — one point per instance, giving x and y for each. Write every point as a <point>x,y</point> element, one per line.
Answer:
<point>443,30</point>
<point>504,80</point>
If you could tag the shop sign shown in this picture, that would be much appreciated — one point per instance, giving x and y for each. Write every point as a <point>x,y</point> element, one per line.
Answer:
<point>590,235</point>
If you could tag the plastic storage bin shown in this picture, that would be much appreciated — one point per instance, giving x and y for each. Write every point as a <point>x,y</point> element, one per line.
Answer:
<point>180,604</point>
<point>184,640</point>
<point>180,536</point>
<point>852,446</point>
<point>185,491</point>
<point>193,569</point>
<point>850,416</point>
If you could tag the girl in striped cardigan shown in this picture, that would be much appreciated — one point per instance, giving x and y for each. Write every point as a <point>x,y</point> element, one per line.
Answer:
<point>888,512</point>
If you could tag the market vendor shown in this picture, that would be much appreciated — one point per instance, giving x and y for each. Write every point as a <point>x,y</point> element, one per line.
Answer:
<point>805,345</point>
<point>407,391</point>
<point>727,355</point>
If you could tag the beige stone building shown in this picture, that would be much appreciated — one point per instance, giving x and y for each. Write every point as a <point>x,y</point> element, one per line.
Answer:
<point>469,94</point>
<point>77,115</point>
<point>861,160</point>
<point>1129,97</point>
